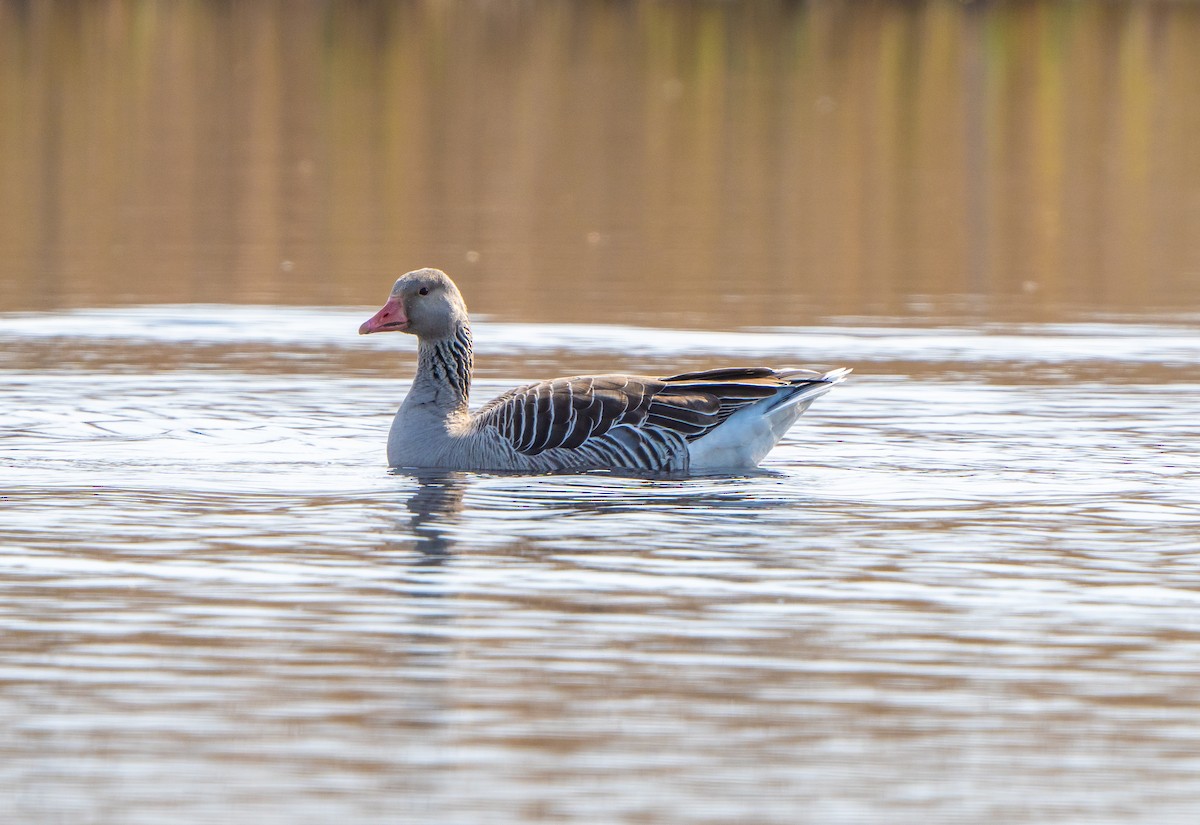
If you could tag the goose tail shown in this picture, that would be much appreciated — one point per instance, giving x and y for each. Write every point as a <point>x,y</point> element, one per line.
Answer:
<point>807,386</point>
<point>746,437</point>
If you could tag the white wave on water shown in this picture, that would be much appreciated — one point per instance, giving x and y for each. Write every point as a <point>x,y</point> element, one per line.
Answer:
<point>305,327</point>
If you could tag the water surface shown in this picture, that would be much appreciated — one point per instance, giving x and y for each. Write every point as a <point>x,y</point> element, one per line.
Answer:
<point>713,164</point>
<point>964,587</point>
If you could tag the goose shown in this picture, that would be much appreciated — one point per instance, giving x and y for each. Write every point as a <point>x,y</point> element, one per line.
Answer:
<point>715,421</point>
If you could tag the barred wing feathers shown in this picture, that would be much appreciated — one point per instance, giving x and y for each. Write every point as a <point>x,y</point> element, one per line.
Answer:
<point>570,412</point>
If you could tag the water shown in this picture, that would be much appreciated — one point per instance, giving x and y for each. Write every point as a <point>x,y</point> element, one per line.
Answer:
<point>964,588</point>
<point>684,163</point>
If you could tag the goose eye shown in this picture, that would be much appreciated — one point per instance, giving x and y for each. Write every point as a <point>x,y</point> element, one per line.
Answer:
<point>423,290</point>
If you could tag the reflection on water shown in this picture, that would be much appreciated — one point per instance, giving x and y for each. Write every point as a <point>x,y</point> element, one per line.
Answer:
<point>963,589</point>
<point>685,163</point>
<point>437,500</point>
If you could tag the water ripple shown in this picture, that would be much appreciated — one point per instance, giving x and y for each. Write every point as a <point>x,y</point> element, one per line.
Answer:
<point>955,587</point>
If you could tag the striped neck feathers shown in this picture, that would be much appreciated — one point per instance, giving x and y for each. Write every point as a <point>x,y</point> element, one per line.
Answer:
<point>444,369</point>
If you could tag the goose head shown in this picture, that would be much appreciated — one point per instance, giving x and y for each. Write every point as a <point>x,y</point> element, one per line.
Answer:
<point>424,302</point>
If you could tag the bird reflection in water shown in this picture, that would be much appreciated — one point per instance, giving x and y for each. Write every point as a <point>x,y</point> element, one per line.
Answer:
<point>435,506</point>
<point>426,613</point>
<point>437,519</point>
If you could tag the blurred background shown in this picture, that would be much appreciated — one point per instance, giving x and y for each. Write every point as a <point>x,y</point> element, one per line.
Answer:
<point>965,587</point>
<point>681,164</point>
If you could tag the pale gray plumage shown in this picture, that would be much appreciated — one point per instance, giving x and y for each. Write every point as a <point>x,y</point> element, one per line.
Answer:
<point>726,419</point>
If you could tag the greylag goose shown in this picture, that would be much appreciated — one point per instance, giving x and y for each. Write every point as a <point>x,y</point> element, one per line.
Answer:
<point>696,422</point>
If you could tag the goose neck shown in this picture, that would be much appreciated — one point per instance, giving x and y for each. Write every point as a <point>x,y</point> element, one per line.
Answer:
<point>443,376</point>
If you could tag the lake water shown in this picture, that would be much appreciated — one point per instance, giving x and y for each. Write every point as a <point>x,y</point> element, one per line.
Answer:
<point>964,588</point>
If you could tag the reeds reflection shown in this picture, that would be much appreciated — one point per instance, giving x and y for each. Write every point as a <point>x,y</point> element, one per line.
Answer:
<point>706,164</point>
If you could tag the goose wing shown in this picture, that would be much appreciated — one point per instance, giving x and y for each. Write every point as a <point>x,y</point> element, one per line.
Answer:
<point>570,412</point>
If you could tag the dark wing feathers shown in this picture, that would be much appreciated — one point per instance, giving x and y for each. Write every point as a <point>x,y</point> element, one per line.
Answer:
<point>567,412</point>
<point>685,410</point>
<point>733,374</point>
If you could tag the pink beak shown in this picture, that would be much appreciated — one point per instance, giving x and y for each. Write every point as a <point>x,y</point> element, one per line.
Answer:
<point>389,319</point>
